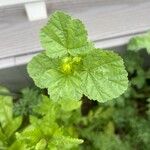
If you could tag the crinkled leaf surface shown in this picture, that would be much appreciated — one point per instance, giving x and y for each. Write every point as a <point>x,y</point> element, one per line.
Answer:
<point>98,74</point>
<point>63,86</point>
<point>104,77</point>
<point>38,66</point>
<point>66,142</point>
<point>140,42</point>
<point>63,35</point>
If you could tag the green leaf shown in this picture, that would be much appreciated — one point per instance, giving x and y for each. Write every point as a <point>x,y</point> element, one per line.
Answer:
<point>12,126</point>
<point>64,35</point>
<point>17,145</point>
<point>63,86</point>
<point>47,107</point>
<point>41,145</point>
<point>140,42</point>
<point>5,107</point>
<point>38,66</point>
<point>31,135</point>
<point>29,99</point>
<point>2,137</point>
<point>110,128</point>
<point>69,105</point>
<point>104,76</point>
<point>66,142</point>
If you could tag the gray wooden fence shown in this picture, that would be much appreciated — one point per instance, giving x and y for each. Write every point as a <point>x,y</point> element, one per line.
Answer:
<point>110,23</point>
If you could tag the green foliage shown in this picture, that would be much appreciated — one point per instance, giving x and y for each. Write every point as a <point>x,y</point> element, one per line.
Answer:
<point>5,107</point>
<point>71,67</point>
<point>8,124</point>
<point>140,42</point>
<point>148,111</point>
<point>122,124</point>
<point>64,35</point>
<point>29,99</point>
<point>46,133</point>
<point>49,129</point>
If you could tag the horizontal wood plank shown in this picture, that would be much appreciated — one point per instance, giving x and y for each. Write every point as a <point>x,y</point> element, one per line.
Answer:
<point>109,23</point>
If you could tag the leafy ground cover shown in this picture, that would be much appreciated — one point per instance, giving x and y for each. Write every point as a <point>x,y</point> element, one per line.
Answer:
<point>36,122</point>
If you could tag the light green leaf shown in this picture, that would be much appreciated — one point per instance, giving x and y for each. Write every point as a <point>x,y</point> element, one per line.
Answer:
<point>12,126</point>
<point>44,106</point>
<point>71,104</point>
<point>140,42</point>
<point>63,86</point>
<point>66,142</point>
<point>31,134</point>
<point>41,145</point>
<point>38,66</point>
<point>63,35</point>
<point>104,76</point>
<point>18,145</point>
<point>5,107</point>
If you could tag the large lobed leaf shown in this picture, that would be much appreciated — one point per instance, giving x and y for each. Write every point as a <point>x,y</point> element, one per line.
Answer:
<point>104,77</point>
<point>63,35</point>
<point>63,86</point>
<point>40,64</point>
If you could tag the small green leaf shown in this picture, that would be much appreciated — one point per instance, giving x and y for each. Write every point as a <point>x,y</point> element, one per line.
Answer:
<point>30,135</point>
<point>104,76</point>
<point>64,35</point>
<point>63,86</point>
<point>71,104</point>
<point>5,107</point>
<point>17,145</point>
<point>66,142</point>
<point>140,42</point>
<point>12,126</point>
<point>45,107</point>
<point>41,145</point>
<point>38,66</point>
<point>110,128</point>
<point>3,137</point>
<point>29,99</point>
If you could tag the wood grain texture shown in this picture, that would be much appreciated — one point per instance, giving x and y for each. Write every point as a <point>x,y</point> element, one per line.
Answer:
<point>105,21</point>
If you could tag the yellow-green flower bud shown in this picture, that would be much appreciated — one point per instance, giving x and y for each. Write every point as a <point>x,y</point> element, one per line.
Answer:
<point>66,68</point>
